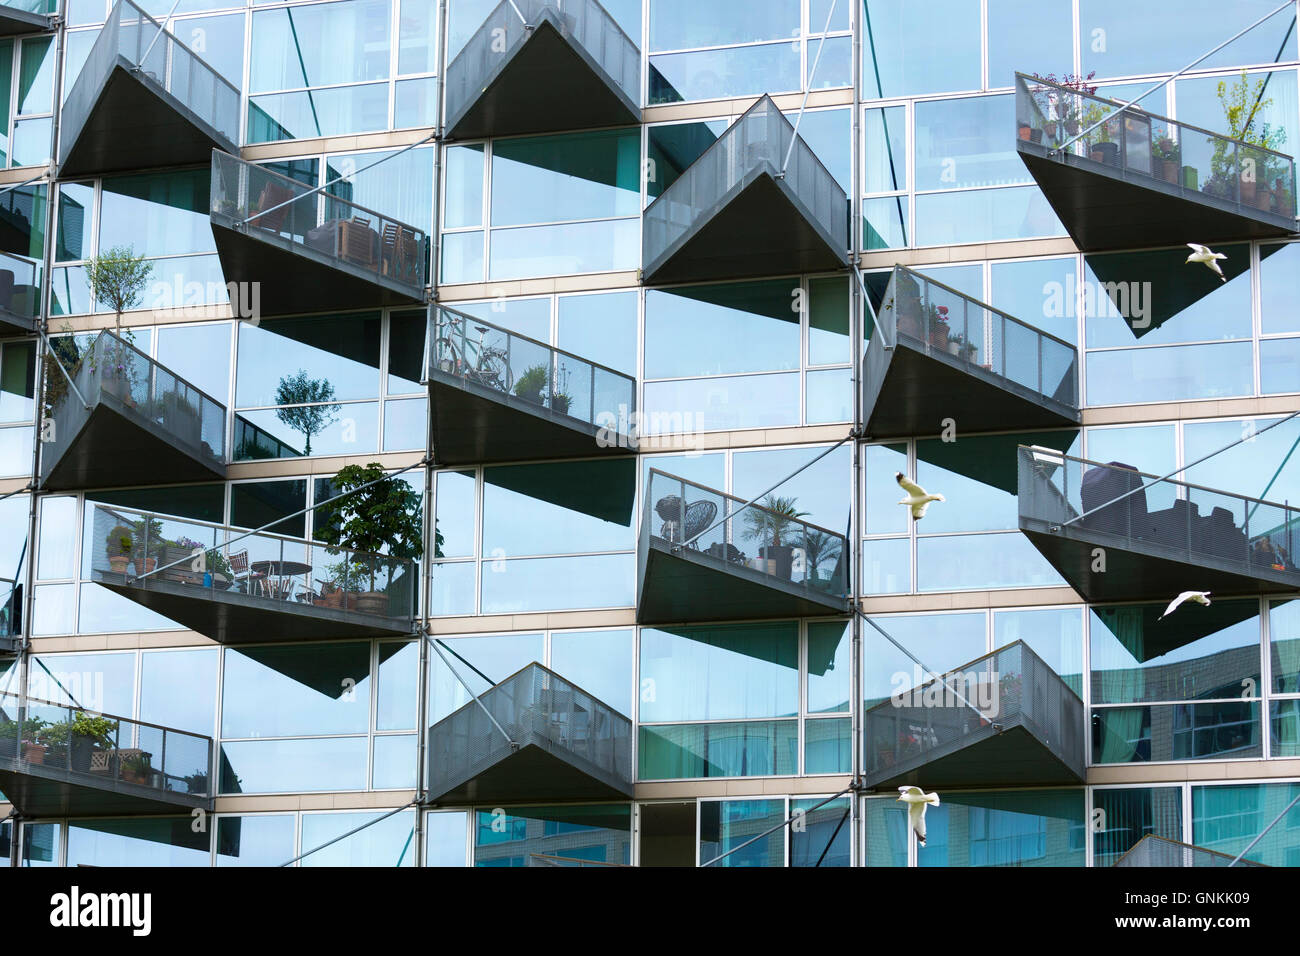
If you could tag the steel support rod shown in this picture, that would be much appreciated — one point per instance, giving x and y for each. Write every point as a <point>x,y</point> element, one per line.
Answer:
<point>438,650</point>
<point>344,836</point>
<point>1190,464</point>
<point>772,829</point>
<point>1278,819</point>
<point>1074,139</point>
<point>807,87</point>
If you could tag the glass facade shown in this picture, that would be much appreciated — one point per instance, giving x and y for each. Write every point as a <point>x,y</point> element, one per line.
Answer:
<point>745,384</point>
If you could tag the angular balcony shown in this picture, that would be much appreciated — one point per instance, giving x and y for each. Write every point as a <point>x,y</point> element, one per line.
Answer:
<point>498,396</point>
<point>702,556</point>
<point>280,589</point>
<point>1032,731</point>
<point>538,66</point>
<point>1154,850</point>
<point>57,760</point>
<point>733,214</point>
<point>563,744</point>
<point>11,616</point>
<point>22,227</point>
<point>22,17</point>
<point>1114,540</point>
<point>126,420</point>
<point>308,252</point>
<point>936,353</point>
<point>1142,180</point>
<point>144,99</point>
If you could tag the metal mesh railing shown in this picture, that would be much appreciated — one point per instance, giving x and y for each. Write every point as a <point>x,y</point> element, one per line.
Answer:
<point>113,367</point>
<point>1195,161</point>
<point>935,318</point>
<point>260,200</point>
<point>1154,850</point>
<point>132,34</point>
<point>586,22</point>
<point>779,545</point>
<point>759,140</point>
<point>1011,684</point>
<point>104,749</point>
<point>144,549</point>
<point>1178,520</point>
<point>526,371</point>
<point>533,704</point>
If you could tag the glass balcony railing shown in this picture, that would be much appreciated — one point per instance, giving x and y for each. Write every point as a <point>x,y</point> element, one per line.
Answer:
<point>562,744</point>
<point>20,283</point>
<point>505,375</point>
<point>195,573</point>
<point>1151,152</point>
<point>1154,850</point>
<point>514,74</point>
<point>805,230</point>
<point>121,399</point>
<point>87,761</point>
<point>1160,536</point>
<point>742,561</point>
<point>350,241</point>
<point>1010,374</point>
<point>107,125</point>
<point>930,735</point>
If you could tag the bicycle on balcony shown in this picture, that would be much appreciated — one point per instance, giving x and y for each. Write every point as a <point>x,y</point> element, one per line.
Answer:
<point>478,362</point>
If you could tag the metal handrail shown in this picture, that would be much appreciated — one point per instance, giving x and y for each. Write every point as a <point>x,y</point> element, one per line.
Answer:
<point>1119,108</point>
<point>26,699</point>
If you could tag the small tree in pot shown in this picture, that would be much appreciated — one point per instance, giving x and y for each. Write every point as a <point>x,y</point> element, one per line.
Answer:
<point>383,517</point>
<point>768,525</point>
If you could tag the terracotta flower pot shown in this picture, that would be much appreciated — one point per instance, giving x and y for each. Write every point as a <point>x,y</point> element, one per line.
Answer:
<point>372,602</point>
<point>34,753</point>
<point>119,563</point>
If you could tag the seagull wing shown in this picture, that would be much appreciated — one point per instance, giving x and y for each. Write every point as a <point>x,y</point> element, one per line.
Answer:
<point>911,487</point>
<point>1173,605</point>
<point>918,510</point>
<point>1198,249</point>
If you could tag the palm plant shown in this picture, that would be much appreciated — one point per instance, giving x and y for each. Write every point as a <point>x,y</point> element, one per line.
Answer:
<point>767,524</point>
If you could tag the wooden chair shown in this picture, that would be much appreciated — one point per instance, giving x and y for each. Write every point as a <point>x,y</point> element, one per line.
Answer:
<point>273,194</point>
<point>253,582</point>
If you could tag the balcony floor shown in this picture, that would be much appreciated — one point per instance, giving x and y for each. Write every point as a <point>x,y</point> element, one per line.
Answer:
<point>1156,573</point>
<point>232,616</point>
<point>759,228</point>
<point>15,23</point>
<point>473,423</point>
<point>38,790</point>
<point>135,124</point>
<point>294,278</point>
<point>693,586</point>
<point>1105,207</point>
<point>117,447</point>
<point>538,771</point>
<point>908,391</point>
<point>548,84</point>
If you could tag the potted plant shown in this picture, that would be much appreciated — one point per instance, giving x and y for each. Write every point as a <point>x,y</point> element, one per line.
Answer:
<point>768,525</point>
<point>956,343</point>
<point>196,782</point>
<point>148,543</point>
<point>1024,129</point>
<point>379,527</point>
<point>1169,155</point>
<point>79,738</point>
<point>937,326</point>
<point>533,384</point>
<point>1065,104</point>
<point>14,735</point>
<point>117,545</point>
<point>136,768</point>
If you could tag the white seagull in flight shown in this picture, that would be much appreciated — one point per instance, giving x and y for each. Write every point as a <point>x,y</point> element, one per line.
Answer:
<point>918,499</point>
<point>1209,258</point>
<point>1199,597</point>
<point>917,800</point>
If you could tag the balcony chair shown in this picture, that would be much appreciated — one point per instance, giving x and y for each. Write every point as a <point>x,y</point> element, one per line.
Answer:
<point>1101,486</point>
<point>699,515</point>
<point>273,194</point>
<point>251,580</point>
